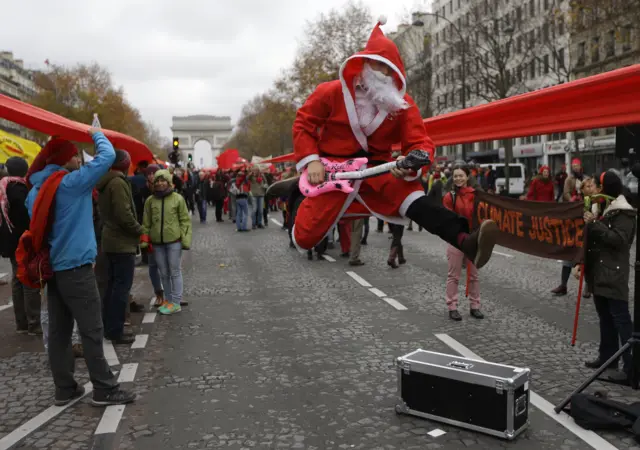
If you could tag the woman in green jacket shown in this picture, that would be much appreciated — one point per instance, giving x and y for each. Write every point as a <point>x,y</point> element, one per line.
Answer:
<point>166,228</point>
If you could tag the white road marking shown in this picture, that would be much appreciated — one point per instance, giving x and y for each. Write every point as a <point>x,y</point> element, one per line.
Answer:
<point>128,373</point>
<point>3,275</point>
<point>141,341</point>
<point>152,301</point>
<point>395,303</point>
<point>361,281</point>
<point>591,438</point>
<point>436,433</point>
<point>7,306</point>
<point>110,353</point>
<point>328,258</point>
<point>506,255</point>
<point>32,425</point>
<point>110,419</point>
<point>377,292</point>
<point>276,222</point>
<point>149,317</point>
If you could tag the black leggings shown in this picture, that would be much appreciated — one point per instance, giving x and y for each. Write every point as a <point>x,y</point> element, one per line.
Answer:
<point>438,220</point>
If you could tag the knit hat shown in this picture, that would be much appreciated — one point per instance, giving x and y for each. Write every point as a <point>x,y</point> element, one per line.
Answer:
<point>59,151</point>
<point>611,184</point>
<point>17,167</point>
<point>151,169</point>
<point>122,161</point>
<point>163,174</point>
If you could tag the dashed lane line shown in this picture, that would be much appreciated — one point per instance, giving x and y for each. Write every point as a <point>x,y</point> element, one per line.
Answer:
<point>149,317</point>
<point>361,281</point>
<point>32,425</point>
<point>276,222</point>
<point>7,306</point>
<point>128,373</point>
<point>396,304</point>
<point>589,437</point>
<point>377,292</point>
<point>110,353</point>
<point>110,419</point>
<point>140,341</point>
<point>328,258</point>
<point>506,255</point>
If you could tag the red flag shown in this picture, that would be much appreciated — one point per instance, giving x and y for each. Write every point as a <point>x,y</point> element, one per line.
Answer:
<point>227,158</point>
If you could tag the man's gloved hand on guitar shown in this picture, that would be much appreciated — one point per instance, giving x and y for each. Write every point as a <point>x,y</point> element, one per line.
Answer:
<point>315,172</point>
<point>399,173</point>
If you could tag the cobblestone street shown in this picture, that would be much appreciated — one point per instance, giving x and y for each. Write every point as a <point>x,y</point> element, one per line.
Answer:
<point>278,352</point>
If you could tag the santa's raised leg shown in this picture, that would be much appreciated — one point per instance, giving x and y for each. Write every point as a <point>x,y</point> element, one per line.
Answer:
<point>365,113</point>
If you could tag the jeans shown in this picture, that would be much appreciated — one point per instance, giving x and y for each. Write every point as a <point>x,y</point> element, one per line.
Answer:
<point>202,209</point>
<point>116,297</point>
<point>73,294</point>
<point>169,260</point>
<point>258,206</point>
<point>615,327</point>
<point>242,208</point>
<point>26,301</point>
<point>154,274</point>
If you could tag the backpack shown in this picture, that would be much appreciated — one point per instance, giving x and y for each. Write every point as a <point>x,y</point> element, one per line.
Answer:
<point>32,254</point>
<point>595,413</point>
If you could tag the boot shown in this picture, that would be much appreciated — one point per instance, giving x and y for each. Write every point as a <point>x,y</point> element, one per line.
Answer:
<point>391,260</point>
<point>478,246</point>
<point>401,258</point>
<point>560,291</point>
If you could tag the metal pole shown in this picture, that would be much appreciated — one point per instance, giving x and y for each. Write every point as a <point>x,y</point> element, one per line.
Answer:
<point>464,85</point>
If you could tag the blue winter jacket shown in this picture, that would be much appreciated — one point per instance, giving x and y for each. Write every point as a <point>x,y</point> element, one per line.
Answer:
<point>72,238</point>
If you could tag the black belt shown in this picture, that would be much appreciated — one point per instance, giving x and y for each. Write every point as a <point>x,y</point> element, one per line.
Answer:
<point>360,154</point>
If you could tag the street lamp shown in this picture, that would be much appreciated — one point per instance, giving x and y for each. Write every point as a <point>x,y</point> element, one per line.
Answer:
<point>419,23</point>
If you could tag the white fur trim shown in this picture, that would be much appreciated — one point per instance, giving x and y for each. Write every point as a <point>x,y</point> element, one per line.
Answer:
<point>414,178</point>
<point>293,238</point>
<point>376,122</point>
<point>350,105</point>
<point>306,160</point>
<point>395,220</point>
<point>404,207</point>
<point>382,20</point>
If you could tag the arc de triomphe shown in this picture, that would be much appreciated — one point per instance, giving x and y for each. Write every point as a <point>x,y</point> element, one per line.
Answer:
<point>216,130</point>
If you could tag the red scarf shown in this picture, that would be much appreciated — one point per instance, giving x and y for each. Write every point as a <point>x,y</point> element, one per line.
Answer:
<point>41,222</point>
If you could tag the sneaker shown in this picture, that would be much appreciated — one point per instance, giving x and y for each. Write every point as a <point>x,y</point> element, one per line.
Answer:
<point>169,309</point>
<point>124,339</point>
<point>184,303</point>
<point>136,307</point>
<point>66,398</point>
<point>476,314</point>
<point>455,315</point>
<point>78,351</point>
<point>113,397</point>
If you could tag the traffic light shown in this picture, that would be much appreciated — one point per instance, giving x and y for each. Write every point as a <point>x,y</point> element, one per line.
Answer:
<point>190,157</point>
<point>176,143</point>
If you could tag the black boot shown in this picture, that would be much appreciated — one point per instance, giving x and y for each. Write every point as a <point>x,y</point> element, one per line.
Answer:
<point>598,362</point>
<point>391,260</point>
<point>455,315</point>
<point>401,259</point>
<point>478,246</point>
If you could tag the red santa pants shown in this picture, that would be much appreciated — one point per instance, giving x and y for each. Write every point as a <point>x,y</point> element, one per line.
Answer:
<point>385,196</point>
<point>344,232</point>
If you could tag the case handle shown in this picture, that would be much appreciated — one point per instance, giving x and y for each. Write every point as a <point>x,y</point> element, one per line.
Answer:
<point>460,365</point>
<point>521,404</point>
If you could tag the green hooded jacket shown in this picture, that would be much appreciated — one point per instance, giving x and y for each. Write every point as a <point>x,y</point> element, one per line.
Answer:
<point>120,228</point>
<point>166,220</point>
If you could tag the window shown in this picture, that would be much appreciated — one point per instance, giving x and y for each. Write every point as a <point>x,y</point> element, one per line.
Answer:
<point>626,38</point>
<point>514,171</point>
<point>561,25</point>
<point>595,49</point>
<point>546,64</point>
<point>582,50</point>
<point>557,136</point>
<point>532,69</point>
<point>458,4</point>
<point>451,6</point>
<point>546,4</point>
<point>545,32</point>
<point>532,8</point>
<point>611,43</point>
<point>560,60</point>
<point>519,15</point>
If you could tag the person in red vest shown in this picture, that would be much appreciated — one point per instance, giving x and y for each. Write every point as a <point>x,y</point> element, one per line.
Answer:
<point>364,113</point>
<point>541,188</point>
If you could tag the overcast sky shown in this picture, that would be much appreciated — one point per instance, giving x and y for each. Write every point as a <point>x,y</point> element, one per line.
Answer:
<point>174,57</point>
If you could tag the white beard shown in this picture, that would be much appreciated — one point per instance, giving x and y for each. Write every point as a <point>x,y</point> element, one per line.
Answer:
<point>382,91</point>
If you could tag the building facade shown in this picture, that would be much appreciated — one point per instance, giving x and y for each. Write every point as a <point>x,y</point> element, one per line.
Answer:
<point>216,130</point>
<point>16,82</point>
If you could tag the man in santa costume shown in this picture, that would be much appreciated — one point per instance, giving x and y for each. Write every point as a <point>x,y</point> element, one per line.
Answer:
<point>363,114</point>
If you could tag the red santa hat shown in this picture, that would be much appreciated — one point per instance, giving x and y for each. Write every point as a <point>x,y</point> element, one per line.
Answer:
<point>379,48</point>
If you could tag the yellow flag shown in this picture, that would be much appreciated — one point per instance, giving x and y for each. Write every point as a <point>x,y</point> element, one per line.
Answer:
<point>12,145</point>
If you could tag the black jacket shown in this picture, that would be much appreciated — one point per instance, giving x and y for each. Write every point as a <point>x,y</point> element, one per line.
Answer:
<point>609,242</point>
<point>16,196</point>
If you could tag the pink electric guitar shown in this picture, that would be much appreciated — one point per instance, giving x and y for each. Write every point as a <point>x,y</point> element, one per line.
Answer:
<point>339,176</point>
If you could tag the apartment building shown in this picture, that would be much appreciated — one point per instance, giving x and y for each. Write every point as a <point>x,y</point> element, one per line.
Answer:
<point>16,82</point>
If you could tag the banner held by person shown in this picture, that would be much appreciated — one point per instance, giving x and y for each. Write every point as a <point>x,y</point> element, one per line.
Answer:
<point>547,230</point>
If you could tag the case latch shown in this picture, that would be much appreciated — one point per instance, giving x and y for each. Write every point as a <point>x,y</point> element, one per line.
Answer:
<point>404,365</point>
<point>499,386</point>
<point>460,365</point>
<point>521,404</point>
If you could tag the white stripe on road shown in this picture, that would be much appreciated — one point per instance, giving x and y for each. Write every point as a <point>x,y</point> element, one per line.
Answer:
<point>276,222</point>
<point>110,353</point>
<point>141,341</point>
<point>377,292</point>
<point>32,425</point>
<point>152,302</point>
<point>3,275</point>
<point>361,281</point>
<point>328,258</point>
<point>110,419</point>
<point>149,317</point>
<point>591,438</point>
<point>128,373</point>
<point>395,303</point>
<point>506,255</point>
<point>7,306</point>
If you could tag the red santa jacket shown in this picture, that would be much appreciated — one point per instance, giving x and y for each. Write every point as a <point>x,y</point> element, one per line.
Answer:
<point>327,124</point>
<point>541,189</point>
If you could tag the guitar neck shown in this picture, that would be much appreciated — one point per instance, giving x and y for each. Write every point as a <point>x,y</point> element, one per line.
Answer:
<point>366,173</point>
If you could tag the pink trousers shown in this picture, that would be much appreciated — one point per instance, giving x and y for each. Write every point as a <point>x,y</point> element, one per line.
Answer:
<point>455,258</point>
